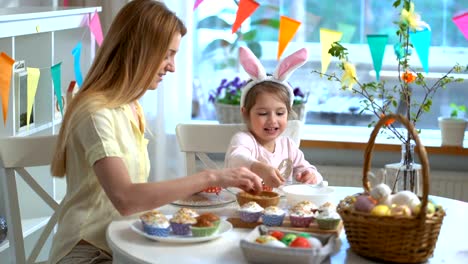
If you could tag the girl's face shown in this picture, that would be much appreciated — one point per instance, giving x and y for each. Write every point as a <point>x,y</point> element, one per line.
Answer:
<point>168,64</point>
<point>268,118</point>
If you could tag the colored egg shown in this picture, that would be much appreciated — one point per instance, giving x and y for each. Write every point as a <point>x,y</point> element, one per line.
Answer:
<point>275,243</point>
<point>265,239</point>
<point>300,242</point>
<point>288,238</point>
<point>306,235</point>
<point>278,234</point>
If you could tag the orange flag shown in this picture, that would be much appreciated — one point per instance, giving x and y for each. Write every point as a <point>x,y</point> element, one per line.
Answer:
<point>246,9</point>
<point>288,27</point>
<point>6,67</point>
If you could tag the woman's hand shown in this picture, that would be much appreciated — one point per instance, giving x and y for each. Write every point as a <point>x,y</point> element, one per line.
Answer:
<point>307,176</point>
<point>242,178</point>
<point>270,175</point>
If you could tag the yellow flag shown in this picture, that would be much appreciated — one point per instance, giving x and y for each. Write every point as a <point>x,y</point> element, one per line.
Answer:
<point>32,82</point>
<point>327,37</point>
<point>288,27</point>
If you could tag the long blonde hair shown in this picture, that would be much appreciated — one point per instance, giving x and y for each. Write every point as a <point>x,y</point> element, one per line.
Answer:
<point>124,66</point>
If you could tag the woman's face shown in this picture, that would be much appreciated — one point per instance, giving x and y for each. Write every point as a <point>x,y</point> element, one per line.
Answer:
<point>168,64</point>
<point>268,118</point>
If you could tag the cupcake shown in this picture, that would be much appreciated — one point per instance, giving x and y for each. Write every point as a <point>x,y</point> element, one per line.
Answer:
<point>209,217</point>
<point>203,227</point>
<point>250,212</point>
<point>181,223</point>
<point>301,217</point>
<point>328,218</point>
<point>188,211</point>
<point>273,216</point>
<point>306,205</point>
<point>155,223</point>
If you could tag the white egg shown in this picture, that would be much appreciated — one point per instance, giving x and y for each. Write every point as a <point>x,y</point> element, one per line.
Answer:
<point>406,198</point>
<point>275,243</point>
<point>381,193</point>
<point>314,242</point>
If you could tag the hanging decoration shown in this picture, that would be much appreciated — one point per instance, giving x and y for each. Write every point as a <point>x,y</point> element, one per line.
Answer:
<point>197,3</point>
<point>348,32</point>
<point>246,9</point>
<point>377,45</point>
<point>6,69</point>
<point>33,80</point>
<point>421,41</point>
<point>327,37</point>
<point>462,23</point>
<point>287,30</point>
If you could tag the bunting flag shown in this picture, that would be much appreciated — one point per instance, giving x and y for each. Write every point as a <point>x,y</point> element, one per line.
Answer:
<point>421,41</point>
<point>287,29</point>
<point>327,37</point>
<point>65,3</point>
<point>95,28</point>
<point>6,70</point>
<point>462,23</point>
<point>348,32</point>
<point>76,64</point>
<point>377,45</point>
<point>32,82</point>
<point>57,81</point>
<point>245,9</point>
<point>197,3</point>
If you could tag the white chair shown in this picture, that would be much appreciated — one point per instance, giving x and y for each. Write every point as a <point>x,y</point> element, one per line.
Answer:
<point>16,154</point>
<point>196,140</point>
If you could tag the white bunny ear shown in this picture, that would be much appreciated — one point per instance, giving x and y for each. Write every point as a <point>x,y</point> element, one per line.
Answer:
<point>251,64</point>
<point>290,64</point>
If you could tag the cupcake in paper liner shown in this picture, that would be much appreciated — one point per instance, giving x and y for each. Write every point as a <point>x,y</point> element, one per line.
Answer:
<point>328,218</point>
<point>187,211</point>
<point>209,217</point>
<point>204,227</point>
<point>300,217</point>
<point>181,224</point>
<point>250,212</point>
<point>155,224</point>
<point>273,216</point>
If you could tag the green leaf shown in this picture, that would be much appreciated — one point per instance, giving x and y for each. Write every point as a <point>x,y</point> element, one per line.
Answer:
<point>268,22</point>
<point>249,35</point>
<point>213,22</point>
<point>255,48</point>
<point>215,44</point>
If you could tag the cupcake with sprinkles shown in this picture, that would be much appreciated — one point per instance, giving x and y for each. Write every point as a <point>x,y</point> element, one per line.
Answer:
<point>181,223</point>
<point>273,216</point>
<point>250,212</point>
<point>155,223</point>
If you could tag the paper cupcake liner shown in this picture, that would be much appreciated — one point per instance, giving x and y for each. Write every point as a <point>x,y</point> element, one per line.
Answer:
<point>156,231</point>
<point>180,229</point>
<point>203,231</point>
<point>273,220</point>
<point>249,217</point>
<point>327,224</point>
<point>301,221</point>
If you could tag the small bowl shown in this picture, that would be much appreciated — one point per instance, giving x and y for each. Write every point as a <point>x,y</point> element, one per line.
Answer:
<point>264,198</point>
<point>302,192</point>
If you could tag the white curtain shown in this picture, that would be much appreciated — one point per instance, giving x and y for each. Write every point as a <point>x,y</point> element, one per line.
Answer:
<point>170,104</point>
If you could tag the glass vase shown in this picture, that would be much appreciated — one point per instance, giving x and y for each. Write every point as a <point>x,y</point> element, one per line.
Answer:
<point>406,174</point>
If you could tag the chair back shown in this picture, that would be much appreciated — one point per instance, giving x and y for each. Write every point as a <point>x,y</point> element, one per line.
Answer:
<point>16,154</point>
<point>198,140</point>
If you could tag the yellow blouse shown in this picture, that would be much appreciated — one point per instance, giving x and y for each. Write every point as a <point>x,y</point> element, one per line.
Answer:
<point>87,211</point>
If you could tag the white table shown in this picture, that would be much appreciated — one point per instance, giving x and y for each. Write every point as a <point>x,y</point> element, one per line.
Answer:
<point>130,247</point>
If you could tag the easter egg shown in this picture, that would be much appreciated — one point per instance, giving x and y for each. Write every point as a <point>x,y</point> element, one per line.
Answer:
<point>364,203</point>
<point>300,242</point>
<point>265,239</point>
<point>380,210</point>
<point>430,210</point>
<point>288,238</point>
<point>275,243</point>
<point>314,242</point>
<point>400,210</point>
<point>278,234</point>
<point>306,235</point>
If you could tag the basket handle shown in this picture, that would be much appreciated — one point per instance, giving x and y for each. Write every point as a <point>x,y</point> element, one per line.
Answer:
<point>421,153</point>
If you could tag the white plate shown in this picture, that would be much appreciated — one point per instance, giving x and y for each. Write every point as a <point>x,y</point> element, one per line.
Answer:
<point>207,199</point>
<point>224,227</point>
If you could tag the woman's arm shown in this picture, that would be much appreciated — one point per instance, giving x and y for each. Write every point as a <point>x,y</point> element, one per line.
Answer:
<point>129,198</point>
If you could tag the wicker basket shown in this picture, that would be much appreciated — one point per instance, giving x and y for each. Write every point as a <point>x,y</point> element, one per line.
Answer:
<point>390,238</point>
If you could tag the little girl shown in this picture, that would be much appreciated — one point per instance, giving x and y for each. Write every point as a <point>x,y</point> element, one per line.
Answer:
<point>266,103</point>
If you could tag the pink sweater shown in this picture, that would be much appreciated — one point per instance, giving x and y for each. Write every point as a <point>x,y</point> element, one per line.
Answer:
<point>244,150</point>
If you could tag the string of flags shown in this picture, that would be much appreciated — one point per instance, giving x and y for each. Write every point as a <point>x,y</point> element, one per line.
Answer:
<point>34,73</point>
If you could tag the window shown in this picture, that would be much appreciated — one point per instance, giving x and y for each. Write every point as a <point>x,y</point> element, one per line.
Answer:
<point>327,103</point>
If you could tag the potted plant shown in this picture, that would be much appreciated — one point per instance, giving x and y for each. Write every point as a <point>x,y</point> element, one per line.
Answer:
<point>226,98</point>
<point>452,128</point>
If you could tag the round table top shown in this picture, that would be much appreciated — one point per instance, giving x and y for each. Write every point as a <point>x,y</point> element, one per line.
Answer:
<point>130,247</point>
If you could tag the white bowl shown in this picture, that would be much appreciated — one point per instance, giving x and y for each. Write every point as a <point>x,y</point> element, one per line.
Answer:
<point>302,192</point>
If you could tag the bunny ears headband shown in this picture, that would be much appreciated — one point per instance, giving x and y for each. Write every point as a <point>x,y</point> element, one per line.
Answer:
<point>256,71</point>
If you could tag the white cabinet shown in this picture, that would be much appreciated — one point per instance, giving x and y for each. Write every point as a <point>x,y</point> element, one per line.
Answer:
<point>41,37</point>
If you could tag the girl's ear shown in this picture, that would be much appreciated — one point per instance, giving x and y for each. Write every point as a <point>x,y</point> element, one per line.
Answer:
<point>251,64</point>
<point>289,64</point>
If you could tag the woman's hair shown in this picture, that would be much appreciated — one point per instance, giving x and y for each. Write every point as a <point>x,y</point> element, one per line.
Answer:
<point>270,87</point>
<point>124,67</point>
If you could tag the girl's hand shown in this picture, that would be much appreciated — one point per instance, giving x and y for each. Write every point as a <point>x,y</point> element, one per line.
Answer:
<point>309,177</point>
<point>271,176</point>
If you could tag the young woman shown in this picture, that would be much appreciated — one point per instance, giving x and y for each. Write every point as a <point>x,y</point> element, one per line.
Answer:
<point>266,103</point>
<point>101,147</point>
